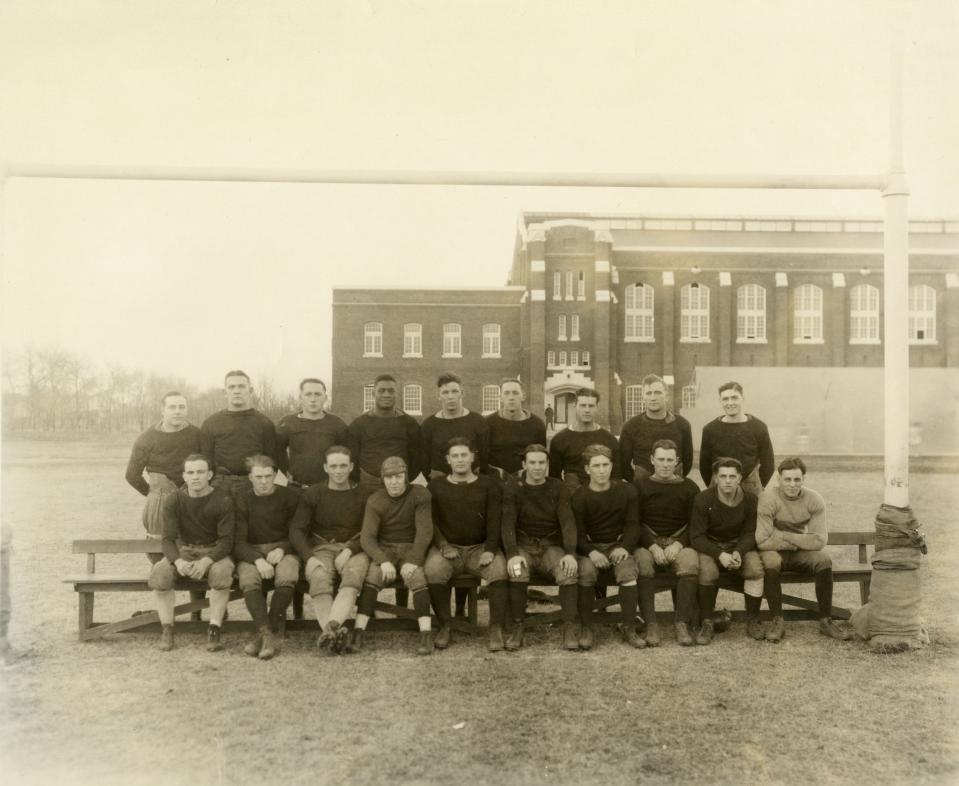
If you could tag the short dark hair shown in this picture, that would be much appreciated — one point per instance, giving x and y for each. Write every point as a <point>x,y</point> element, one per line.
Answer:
<point>338,449</point>
<point>196,457</point>
<point>731,386</point>
<point>592,451</point>
<point>793,462</point>
<point>459,442</point>
<point>588,393</point>
<point>383,378</point>
<point>535,447</point>
<point>314,380</point>
<point>446,378</point>
<point>664,444</point>
<point>727,461</point>
<point>651,379</point>
<point>259,460</point>
<point>169,394</point>
<point>237,372</point>
<point>512,379</point>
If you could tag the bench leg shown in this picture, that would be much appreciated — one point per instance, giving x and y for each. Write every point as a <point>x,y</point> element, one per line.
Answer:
<point>297,603</point>
<point>402,597</point>
<point>472,596</point>
<point>86,611</point>
<point>462,597</point>
<point>196,616</point>
<point>864,591</point>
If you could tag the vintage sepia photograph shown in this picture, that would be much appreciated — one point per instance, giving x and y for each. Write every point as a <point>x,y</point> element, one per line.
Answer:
<point>425,393</point>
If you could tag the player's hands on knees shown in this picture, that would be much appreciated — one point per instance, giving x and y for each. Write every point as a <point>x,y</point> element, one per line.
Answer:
<point>485,558</point>
<point>407,569</point>
<point>311,564</point>
<point>449,552</point>
<point>388,569</point>
<point>618,554</point>
<point>275,556</point>
<point>598,559</point>
<point>672,551</point>
<point>341,559</point>
<point>264,568</point>
<point>568,564</point>
<point>726,560</point>
<point>659,554</point>
<point>511,565</point>
<point>183,567</point>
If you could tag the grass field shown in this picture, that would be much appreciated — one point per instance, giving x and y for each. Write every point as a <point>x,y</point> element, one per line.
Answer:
<point>809,710</point>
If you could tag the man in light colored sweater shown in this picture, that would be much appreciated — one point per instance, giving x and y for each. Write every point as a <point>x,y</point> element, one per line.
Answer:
<point>791,535</point>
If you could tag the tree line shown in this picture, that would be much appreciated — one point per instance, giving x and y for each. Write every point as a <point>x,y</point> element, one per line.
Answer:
<point>49,390</point>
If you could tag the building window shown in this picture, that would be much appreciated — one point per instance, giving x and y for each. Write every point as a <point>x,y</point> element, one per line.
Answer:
<point>491,340</point>
<point>574,327</point>
<point>922,315</point>
<point>569,284</point>
<point>581,287</point>
<point>864,314</point>
<point>586,358</point>
<point>561,327</point>
<point>368,400</point>
<point>574,358</point>
<point>751,314</point>
<point>689,395</point>
<point>413,399</point>
<point>551,358</point>
<point>490,399</point>
<point>557,286</point>
<point>694,310</point>
<point>640,299</point>
<point>452,340</point>
<point>412,340</point>
<point>634,401</point>
<point>562,358</point>
<point>807,315</point>
<point>373,340</point>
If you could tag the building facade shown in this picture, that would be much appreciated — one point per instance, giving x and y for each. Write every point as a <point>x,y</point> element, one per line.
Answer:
<point>600,301</point>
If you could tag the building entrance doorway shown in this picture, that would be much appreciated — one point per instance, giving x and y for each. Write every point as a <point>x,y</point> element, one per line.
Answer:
<point>564,406</point>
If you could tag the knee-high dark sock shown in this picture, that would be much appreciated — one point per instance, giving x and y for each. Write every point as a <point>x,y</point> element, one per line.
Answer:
<point>440,596</point>
<point>824,592</point>
<point>707,600</point>
<point>628,602</point>
<point>647,600</point>
<point>567,602</point>
<point>585,597</point>
<point>367,602</point>
<point>752,606</point>
<point>686,591</point>
<point>774,592</point>
<point>498,593</point>
<point>517,600</point>
<point>256,604</point>
<point>282,598</point>
<point>421,602</point>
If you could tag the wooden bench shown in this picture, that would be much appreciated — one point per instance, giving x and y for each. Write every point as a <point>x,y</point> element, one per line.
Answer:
<point>88,584</point>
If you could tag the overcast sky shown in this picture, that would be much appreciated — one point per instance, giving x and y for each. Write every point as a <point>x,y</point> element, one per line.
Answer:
<point>195,278</point>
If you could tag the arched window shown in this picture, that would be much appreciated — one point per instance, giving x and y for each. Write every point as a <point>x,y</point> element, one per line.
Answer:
<point>922,315</point>
<point>452,340</point>
<point>412,340</point>
<point>413,399</point>
<point>694,313</point>
<point>491,340</point>
<point>640,299</point>
<point>490,399</point>
<point>373,340</point>
<point>864,314</point>
<point>634,401</point>
<point>807,315</point>
<point>751,314</point>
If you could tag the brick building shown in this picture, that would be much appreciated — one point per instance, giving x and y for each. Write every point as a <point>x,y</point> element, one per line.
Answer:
<point>600,301</point>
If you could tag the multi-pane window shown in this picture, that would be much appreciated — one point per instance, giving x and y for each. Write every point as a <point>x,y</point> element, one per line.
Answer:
<point>864,314</point>
<point>581,287</point>
<point>452,340</point>
<point>694,313</point>
<point>634,400</point>
<point>689,396</point>
<point>557,286</point>
<point>413,399</point>
<point>640,299</point>
<point>562,358</point>
<point>561,327</point>
<point>368,400</point>
<point>574,358</point>
<point>551,358</point>
<point>807,315</point>
<point>491,343</point>
<point>922,315</point>
<point>586,358</point>
<point>373,340</point>
<point>569,284</point>
<point>490,398</point>
<point>574,327</point>
<point>412,340</point>
<point>750,314</point>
